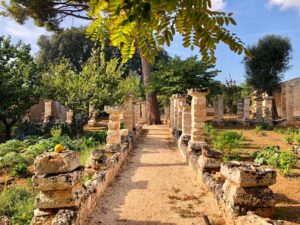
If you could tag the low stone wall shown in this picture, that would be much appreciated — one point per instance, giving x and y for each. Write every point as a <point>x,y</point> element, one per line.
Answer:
<point>241,189</point>
<point>68,193</point>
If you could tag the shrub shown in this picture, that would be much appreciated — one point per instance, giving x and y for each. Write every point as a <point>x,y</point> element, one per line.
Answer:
<point>265,125</point>
<point>297,138</point>
<point>272,156</point>
<point>289,139</point>
<point>228,141</point>
<point>19,170</point>
<point>17,203</point>
<point>56,132</point>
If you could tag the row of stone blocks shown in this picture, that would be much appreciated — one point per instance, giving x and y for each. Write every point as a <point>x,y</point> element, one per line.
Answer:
<point>64,197</point>
<point>238,187</point>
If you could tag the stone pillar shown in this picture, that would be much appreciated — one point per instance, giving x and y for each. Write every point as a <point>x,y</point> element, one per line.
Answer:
<point>268,109</point>
<point>259,109</point>
<point>137,112</point>
<point>181,99</point>
<point>48,113</point>
<point>186,124</point>
<point>113,139</point>
<point>246,188</point>
<point>290,103</point>
<point>240,110</point>
<point>167,115</point>
<point>92,114</point>
<point>247,105</point>
<point>175,114</point>
<point>70,115</point>
<point>58,179</point>
<point>143,112</point>
<point>218,109</point>
<point>198,113</point>
<point>128,114</point>
<point>171,112</point>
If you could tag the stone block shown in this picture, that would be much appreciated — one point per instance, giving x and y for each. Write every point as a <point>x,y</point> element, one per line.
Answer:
<point>53,163</point>
<point>211,153</point>
<point>64,217</point>
<point>252,219</point>
<point>209,163</point>
<point>60,198</point>
<point>248,196</point>
<point>57,182</point>
<point>42,217</point>
<point>4,220</point>
<point>248,174</point>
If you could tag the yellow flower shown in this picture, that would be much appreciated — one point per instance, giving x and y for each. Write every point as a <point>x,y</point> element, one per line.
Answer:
<point>59,148</point>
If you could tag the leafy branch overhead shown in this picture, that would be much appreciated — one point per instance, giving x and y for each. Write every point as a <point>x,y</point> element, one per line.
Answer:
<point>151,24</point>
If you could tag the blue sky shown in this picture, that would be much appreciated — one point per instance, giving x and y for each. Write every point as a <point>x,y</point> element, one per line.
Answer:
<point>255,18</point>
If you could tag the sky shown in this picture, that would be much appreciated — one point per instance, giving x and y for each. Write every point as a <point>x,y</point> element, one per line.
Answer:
<point>255,18</point>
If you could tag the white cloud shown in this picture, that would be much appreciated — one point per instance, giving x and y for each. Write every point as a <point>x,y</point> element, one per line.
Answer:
<point>286,4</point>
<point>218,5</point>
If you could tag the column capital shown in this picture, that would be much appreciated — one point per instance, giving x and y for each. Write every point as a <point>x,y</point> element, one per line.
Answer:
<point>113,109</point>
<point>197,92</point>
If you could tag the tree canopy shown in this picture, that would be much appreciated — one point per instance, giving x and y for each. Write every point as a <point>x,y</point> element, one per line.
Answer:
<point>20,79</point>
<point>270,59</point>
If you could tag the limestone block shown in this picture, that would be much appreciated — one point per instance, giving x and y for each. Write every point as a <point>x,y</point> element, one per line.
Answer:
<point>60,198</point>
<point>97,154</point>
<point>113,125</point>
<point>247,174</point>
<point>56,182</point>
<point>64,217</point>
<point>211,153</point>
<point>4,220</point>
<point>124,132</point>
<point>42,217</point>
<point>49,163</point>
<point>248,196</point>
<point>209,163</point>
<point>252,219</point>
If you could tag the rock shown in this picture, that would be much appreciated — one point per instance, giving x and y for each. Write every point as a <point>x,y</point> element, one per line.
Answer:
<point>211,153</point>
<point>248,196</point>
<point>42,217</point>
<point>64,217</point>
<point>53,163</point>
<point>124,132</point>
<point>209,163</point>
<point>57,182</point>
<point>196,146</point>
<point>113,148</point>
<point>247,174</point>
<point>97,154</point>
<point>60,198</point>
<point>4,220</point>
<point>252,219</point>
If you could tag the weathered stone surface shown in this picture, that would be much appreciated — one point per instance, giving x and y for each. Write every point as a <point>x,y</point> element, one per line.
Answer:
<point>196,146</point>
<point>4,220</point>
<point>56,182</point>
<point>112,148</point>
<point>248,196</point>
<point>52,163</point>
<point>42,217</point>
<point>209,163</point>
<point>124,132</point>
<point>64,217</point>
<point>211,153</point>
<point>60,198</point>
<point>252,219</point>
<point>97,154</point>
<point>247,174</point>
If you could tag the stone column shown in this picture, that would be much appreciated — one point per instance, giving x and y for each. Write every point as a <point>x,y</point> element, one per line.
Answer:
<point>290,103</point>
<point>181,99</point>
<point>240,110</point>
<point>113,139</point>
<point>167,115</point>
<point>175,114</point>
<point>198,113</point>
<point>268,109</point>
<point>92,114</point>
<point>171,112</point>
<point>259,109</point>
<point>143,112</point>
<point>218,109</point>
<point>48,113</point>
<point>137,112</point>
<point>186,124</point>
<point>128,114</point>
<point>70,115</point>
<point>247,105</point>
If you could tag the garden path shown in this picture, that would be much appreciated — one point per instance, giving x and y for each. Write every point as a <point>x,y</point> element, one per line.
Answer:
<point>155,187</point>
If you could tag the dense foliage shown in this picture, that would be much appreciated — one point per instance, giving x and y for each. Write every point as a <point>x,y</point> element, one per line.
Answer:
<point>20,79</point>
<point>270,59</point>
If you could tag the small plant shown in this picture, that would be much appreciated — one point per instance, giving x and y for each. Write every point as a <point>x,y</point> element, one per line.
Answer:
<point>19,170</point>
<point>289,139</point>
<point>56,132</point>
<point>272,156</point>
<point>260,130</point>
<point>227,142</point>
<point>297,138</point>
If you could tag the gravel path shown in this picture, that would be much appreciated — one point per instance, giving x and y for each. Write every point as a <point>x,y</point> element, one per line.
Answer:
<point>155,187</point>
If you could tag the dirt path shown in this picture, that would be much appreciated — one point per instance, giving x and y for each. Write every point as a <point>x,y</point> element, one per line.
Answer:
<point>155,187</point>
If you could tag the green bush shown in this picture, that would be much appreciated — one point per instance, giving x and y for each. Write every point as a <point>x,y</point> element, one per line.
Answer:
<point>265,125</point>
<point>19,170</point>
<point>297,138</point>
<point>227,142</point>
<point>272,156</point>
<point>289,139</point>
<point>17,203</point>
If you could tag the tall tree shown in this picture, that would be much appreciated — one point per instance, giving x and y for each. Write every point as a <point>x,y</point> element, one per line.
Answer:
<point>19,82</point>
<point>270,59</point>
<point>148,25</point>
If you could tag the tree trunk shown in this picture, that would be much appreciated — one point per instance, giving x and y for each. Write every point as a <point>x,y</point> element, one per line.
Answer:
<point>152,110</point>
<point>7,132</point>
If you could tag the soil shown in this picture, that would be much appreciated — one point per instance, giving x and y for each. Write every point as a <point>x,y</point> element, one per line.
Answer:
<point>155,187</point>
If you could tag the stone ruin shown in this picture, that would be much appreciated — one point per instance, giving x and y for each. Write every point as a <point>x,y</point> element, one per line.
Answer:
<point>68,192</point>
<point>241,189</point>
